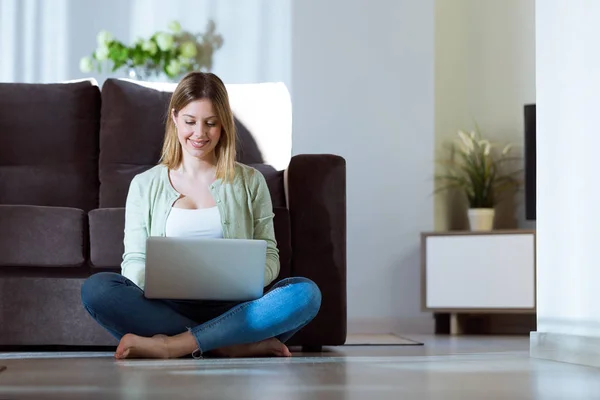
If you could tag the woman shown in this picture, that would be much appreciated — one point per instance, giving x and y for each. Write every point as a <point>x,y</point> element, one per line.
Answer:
<point>198,190</point>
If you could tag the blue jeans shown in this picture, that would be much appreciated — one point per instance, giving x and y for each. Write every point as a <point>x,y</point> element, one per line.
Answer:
<point>119,306</point>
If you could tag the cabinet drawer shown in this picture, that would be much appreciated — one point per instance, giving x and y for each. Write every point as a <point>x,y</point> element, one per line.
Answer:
<point>479,271</point>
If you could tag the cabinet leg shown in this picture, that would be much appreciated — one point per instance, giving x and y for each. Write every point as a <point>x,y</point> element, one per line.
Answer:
<point>455,326</point>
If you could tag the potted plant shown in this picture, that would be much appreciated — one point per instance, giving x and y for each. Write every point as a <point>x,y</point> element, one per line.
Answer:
<point>478,170</point>
<point>164,55</point>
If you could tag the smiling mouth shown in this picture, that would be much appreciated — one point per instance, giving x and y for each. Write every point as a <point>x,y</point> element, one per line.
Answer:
<point>198,144</point>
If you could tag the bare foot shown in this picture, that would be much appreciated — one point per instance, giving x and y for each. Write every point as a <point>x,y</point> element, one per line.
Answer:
<point>268,347</point>
<point>133,346</point>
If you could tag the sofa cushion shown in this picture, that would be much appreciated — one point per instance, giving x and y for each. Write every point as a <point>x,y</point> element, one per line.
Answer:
<point>49,144</point>
<point>274,180</point>
<point>107,227</point>
<point>131,136</point>
<point>38,236</point>
<point>283,235</point>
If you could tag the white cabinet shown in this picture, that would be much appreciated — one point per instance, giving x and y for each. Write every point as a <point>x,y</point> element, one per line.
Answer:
<point>478,272</point>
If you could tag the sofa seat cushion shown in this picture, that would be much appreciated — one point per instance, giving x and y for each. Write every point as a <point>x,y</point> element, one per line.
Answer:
<point>107,226</point>
<point>40,236</point>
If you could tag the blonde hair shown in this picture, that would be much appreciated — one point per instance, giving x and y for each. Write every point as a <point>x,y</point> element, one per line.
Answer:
<point>197,86</point>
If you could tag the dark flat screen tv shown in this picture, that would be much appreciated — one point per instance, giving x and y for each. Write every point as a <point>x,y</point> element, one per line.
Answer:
<point>530,162</point>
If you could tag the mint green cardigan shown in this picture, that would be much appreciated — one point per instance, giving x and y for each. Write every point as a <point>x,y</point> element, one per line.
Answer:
<point>244,204</point>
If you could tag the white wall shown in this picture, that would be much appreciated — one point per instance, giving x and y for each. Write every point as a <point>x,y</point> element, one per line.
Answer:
<point>568,228</point>
<point>484,73</point>
<point>362,78</point>
<point>43,40</point>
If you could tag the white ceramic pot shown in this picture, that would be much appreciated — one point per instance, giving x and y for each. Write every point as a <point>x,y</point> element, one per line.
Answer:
<point>481,219</point>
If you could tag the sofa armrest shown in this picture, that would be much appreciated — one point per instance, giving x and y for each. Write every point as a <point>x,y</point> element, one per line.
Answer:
<point>316,196</point>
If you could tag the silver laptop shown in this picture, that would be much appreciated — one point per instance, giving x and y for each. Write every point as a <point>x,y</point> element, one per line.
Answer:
<point>204,268</point>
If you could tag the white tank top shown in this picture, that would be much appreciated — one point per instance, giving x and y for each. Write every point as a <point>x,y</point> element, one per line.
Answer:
<point>203,222</point>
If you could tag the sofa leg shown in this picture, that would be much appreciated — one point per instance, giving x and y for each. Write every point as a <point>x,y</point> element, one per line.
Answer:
<point>312,349</point>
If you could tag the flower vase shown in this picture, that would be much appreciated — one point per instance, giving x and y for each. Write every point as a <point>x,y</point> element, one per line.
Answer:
<point>142,73</point>
<point>481,219</point>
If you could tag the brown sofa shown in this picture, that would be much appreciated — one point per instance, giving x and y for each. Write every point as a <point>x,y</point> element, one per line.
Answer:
<point>67,155</point>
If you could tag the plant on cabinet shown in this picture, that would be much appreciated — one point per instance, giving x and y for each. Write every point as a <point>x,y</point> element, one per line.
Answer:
<point>478,169</point>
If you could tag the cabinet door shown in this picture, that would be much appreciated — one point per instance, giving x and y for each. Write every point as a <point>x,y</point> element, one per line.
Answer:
<point>479,271</point>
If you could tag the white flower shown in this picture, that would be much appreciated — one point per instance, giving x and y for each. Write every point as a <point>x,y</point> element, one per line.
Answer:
<point>174,26</point>
<point>188,49</point>
<point>103,38</point>
<point>150,47</point>
<point>86,65</point>
<point>102,53</point>
<point>164,41</point>
<point>174,68</point>
<point>506,149</point>
<point>467,141</point>
<point>487,147</point>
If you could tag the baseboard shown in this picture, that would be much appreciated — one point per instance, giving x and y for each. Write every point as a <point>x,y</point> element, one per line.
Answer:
<point>424,324</point>
<point>361,326</point>
<point>415,325</point>
<point>573,349</point>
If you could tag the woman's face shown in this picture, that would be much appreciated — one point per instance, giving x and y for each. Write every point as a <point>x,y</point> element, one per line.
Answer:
<point>198,129</point>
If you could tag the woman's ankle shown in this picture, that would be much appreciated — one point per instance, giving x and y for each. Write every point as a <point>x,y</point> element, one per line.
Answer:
<point>181,345</point>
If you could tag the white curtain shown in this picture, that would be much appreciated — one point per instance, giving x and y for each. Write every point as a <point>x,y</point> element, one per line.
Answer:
<point>43,40</point>
<point>33,40</point>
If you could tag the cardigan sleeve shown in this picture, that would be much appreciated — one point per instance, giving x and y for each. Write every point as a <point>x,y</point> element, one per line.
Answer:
<point>263,225</point>
<point>136,232</point>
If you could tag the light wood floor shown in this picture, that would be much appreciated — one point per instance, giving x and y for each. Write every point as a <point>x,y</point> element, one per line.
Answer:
<point>444,368</point>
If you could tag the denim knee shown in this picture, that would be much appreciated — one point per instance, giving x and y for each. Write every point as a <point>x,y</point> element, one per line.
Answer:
<point>308,291</point>
<point>95,287</point>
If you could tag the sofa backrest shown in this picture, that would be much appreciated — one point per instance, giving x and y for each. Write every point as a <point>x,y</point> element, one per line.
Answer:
<point>131,136</point>
<point>49,144</point>
<point>74,145</point>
